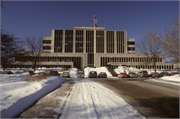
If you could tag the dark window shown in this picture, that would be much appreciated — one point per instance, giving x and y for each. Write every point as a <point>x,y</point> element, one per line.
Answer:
<point>131,48</point>
<point>46,41</point>
<point>47,47</point>
<point>131,43</point>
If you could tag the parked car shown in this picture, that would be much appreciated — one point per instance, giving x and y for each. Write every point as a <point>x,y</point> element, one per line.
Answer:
<point>102,75</point>
<point>3,72</point>
<point>165,74</point>
<point>123,75</point>
<point>31,73</point>
<point>109,66</point>
<point>42,73</point>
<point>17,72</point>
<point>53,73</point>
<point>174,73</point>
<point>80,74</point>
<point>154,75</point>
<point>92,74</point>
<point>161,74</point>
<point>9,72</point>
<point>66,74</point>
<point>133,75</point>
<point>143,74</point>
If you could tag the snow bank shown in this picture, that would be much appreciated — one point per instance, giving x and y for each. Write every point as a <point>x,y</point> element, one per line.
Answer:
<point>17,95</point>
<point>123,69</point>
<point>98,70</point>
<point>175,78</point>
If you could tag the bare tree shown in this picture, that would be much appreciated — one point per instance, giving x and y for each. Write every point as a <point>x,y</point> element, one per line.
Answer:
<point>171,41</point>
<point>2,6</point>
<point>9,49</point>
<point>150,47</point>
<point>33,48</point>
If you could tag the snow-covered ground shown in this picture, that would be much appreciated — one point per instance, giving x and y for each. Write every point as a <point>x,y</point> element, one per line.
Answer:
<point>175,78</point>
<point>16,95</point>
<point>90,100</point>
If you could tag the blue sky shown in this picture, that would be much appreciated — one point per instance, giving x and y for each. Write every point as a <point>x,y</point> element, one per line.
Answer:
<point>32,18</point>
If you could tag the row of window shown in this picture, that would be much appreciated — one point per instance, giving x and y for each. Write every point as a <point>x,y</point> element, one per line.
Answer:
<point>46,47</point>
<point>76,60</point>
<point>46,41</point>
<point>105,60</point>
<point>148,66</point>
<point>130,42</point>
<point>131,48</point>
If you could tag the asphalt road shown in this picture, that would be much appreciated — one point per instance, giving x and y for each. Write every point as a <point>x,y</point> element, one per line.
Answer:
<point>151,99</point>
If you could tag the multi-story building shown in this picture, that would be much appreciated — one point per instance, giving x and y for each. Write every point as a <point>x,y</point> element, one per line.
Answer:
<point>92,46</point>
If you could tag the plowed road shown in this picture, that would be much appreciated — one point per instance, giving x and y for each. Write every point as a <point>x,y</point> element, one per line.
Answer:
<point>153,99</point>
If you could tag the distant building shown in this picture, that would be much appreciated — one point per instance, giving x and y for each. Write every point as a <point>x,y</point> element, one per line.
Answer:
<point>91,46</point>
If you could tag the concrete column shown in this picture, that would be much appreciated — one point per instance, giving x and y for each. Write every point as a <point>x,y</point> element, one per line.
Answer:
<point>125,42</point>
<point>63,42</point>
<point>94,41</point>
<point>52,41</point>
<point>115,42</point>
<point>105,42</point>
<point>74,40</point>
<point>84,41</point>
<point>94,47</point>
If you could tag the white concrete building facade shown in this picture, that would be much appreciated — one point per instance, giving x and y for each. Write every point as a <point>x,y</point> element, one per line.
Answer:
<point>91,46</point>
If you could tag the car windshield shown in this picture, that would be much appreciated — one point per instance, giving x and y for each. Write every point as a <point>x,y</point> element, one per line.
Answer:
<point>93,72</point>
<point>144,71</point>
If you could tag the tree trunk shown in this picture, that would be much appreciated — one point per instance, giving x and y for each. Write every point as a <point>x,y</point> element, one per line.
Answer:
<point>154,67</point>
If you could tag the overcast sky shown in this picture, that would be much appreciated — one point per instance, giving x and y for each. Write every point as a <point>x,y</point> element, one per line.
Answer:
<point>32,18</point>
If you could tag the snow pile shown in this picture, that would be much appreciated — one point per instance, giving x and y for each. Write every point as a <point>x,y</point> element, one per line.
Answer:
<point>175,78</point>
<point>73,72</point>
<point>90,100</point>
<point>17,95</point>
<point>119,70</point>
<point>123,69</point>
<point>98,70</point>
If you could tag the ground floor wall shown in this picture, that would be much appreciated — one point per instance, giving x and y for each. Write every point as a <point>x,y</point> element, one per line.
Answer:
<point>80,60</point>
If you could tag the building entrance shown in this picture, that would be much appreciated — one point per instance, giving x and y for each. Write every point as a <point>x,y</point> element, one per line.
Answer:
<point>90,59</point>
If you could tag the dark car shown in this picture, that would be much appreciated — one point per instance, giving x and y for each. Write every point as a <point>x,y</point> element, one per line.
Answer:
<point>9,72</point>
<point>154,75</point>
<point>92,74</point>
<point>80,74</point>
<point>165,74</point>
<point>109,66</point>
<point>53,73</point>
<point>123,75</point>
<point>143,74</point>
<point>102,75</point>
<point>31,73</point>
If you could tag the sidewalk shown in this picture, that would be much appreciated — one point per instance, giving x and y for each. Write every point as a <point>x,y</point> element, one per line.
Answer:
<point>51,104</point>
